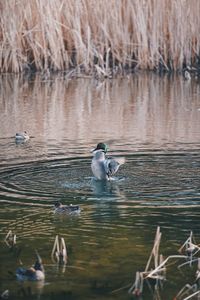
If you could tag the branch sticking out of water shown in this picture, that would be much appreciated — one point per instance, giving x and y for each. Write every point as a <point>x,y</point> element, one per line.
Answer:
<point>190,248</point>
<point>59,251</point>
<point>192,295</point>
<point>156,262</point>
<point>155,268</point>
<point>194,288</point>
<point>10,239</point>
<point>155,250</point>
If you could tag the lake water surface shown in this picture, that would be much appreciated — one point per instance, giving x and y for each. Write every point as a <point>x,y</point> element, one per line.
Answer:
<point>154,123</point>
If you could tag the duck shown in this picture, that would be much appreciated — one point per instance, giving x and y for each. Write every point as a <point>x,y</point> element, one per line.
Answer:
<point>22,136</point>
<point>34,273</point>
<point>66,209</point>
<point>103,168</point>
<point>187,73</point>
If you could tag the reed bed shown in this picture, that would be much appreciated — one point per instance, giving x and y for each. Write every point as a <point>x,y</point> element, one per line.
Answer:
<point>99,36</point>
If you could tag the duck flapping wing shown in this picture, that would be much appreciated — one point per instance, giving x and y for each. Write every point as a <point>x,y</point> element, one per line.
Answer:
<point>112,165</point>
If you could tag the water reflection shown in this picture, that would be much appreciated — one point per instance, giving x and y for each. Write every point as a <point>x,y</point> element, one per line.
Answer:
<point>142,112</point>
<point>103,188</point>
<point>27,290</point>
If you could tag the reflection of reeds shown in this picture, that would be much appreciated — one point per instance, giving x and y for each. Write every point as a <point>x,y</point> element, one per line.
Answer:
<point>98,35</point>
<point>149,112</point>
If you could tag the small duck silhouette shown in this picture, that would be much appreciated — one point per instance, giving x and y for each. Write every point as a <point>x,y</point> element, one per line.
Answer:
<point>104,167</point>
<point>23,136</point>
<point>66,209</point>
<point>187,75</point>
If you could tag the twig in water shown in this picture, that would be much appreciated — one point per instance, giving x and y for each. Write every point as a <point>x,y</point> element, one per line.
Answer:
<point>194,288</point>
<point>5,294</point>
<point>189,246</point>
<point>156,262</point>
<point>59,251</point>
<point>155,250</point>
<point>155,268</point>
<point>10,239</point>
<point>191,296</point>
<point>137,287</point>
<point>121,288</point>
<point>159,268</point>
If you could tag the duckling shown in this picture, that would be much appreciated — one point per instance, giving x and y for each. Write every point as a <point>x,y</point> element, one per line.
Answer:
<point>34,273</point>
<point>102,167</point>
<point>66,209</point>
<point>22,136</point>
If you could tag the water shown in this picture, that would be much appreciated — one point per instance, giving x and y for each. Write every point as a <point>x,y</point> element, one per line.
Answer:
<point>155,124</point>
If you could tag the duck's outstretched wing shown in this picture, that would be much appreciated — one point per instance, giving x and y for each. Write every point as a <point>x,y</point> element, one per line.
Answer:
<point>112,165</point>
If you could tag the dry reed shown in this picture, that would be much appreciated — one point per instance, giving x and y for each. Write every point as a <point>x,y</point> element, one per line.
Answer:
<point>10,239</point>
<point>98,36</point>
<point>155,268</point>
<point>59,251</point>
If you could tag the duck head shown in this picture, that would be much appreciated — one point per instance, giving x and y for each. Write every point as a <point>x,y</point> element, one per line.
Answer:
<point>101,146</point>
<point>57,204</point>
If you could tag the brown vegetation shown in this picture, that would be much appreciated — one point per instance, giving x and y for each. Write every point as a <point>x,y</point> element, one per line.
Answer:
<point>98,35</point>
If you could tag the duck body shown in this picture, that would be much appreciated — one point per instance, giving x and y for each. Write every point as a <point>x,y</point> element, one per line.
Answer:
<point>30,274</point>
<point>23,136</point>
<point>103,167</point>
<point>66,209</point>
<point>34,273</point>
<point>98,165</point>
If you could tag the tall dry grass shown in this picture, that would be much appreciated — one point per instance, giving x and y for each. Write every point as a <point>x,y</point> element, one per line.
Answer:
<point>98,34</point>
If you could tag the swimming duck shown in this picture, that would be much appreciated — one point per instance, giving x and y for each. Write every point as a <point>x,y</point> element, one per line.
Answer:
<point>66,209</point>
<point>23,136</point>
<point>34,273</point>
<point>187,75</point>
<point>104,168</point>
